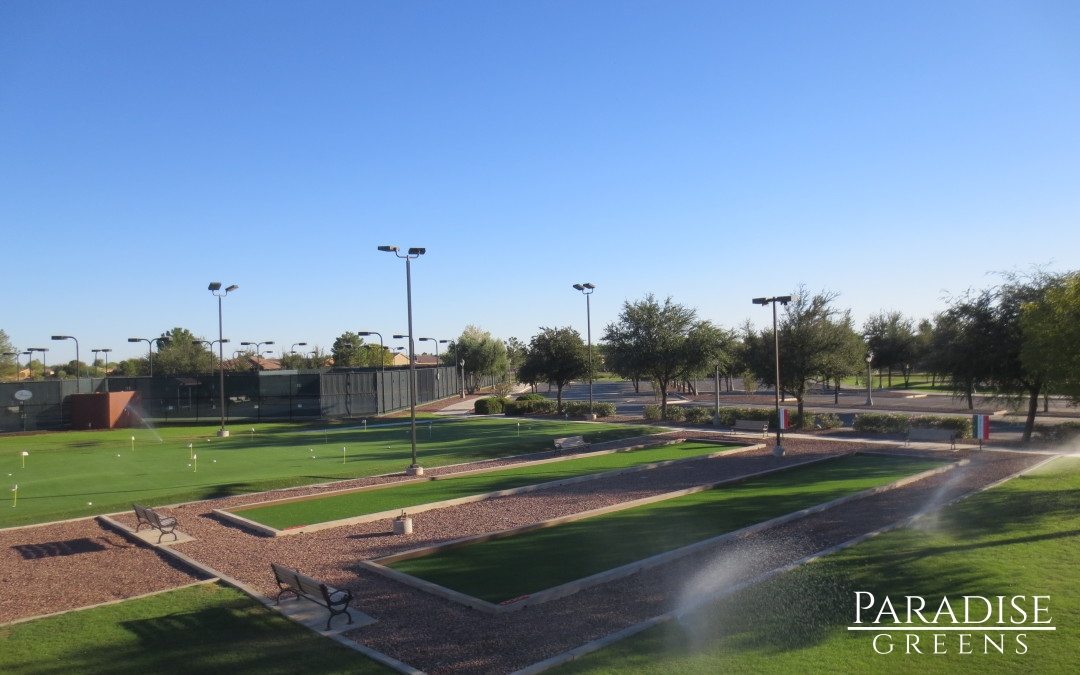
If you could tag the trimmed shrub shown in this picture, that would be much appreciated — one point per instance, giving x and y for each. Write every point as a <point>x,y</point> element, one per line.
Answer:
<point>729,415</point>
<point>699,415</point>
<point>581,408</point>
<point>961,425</point>
<point>898,423</point>
<point>881,423</point>
<point>540,406</point>
<point>489,406</point>
<point>531,397</point>
<point>652,413</point>
<point>1058,433</point>
<point>827,421</point>
<point>675,413</point>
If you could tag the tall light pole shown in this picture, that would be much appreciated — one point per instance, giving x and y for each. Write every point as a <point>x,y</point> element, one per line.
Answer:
<point>216,291</point>
<point>210,348</point>
<point>382,366</point>
<point>869,379</point>
<point>29,367</point>
<point>587,289</point>
<point>783,300</point>
<point>78,372</point>
<point>14,357</point>
<point>105,370</point>
<point>414,469</point>
<point>37,349</point>
<point>150,347</point>
<point>436,353</point>
<point>258,350</point>
<point>292,350</point>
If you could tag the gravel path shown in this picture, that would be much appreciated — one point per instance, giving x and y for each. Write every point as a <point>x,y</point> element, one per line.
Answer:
<point>64,566</point>
<point>439,636</point>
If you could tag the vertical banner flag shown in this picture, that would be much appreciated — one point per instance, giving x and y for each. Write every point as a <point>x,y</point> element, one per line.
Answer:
<point>981,426</point>
<point>785,419</point>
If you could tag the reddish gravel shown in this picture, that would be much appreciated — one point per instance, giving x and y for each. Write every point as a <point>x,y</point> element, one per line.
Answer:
<point>437,636</point>
<point>63,566</point>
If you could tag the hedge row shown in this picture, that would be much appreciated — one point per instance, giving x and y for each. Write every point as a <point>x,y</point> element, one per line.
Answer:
<point>578,408</point>
<point>530,406</point>
<point>727,417</point>
<point>898,423</point>
<point>489,406</point>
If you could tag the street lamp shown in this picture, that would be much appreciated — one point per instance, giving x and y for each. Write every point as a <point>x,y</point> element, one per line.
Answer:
<point>150,347</point>
<point>78,374</point>
<point>382,366</point>
<point>450,345</point>
<point>587,290</point>
<point>436,353</point>
<point>42,350</point>
<point>105,370</point>
<point>783,300</point>
<point>292,350</point>
<point>869,379</point>
<point>216,291</point>
<point>414,469</point>
<point>15,358</point>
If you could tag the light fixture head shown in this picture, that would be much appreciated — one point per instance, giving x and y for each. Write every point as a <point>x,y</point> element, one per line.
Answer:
<point>784,299</point>
<point>246,344</point>
<point>589,286</point>
<point>232,288</point>
<point>400,337</point>
<point>61,337</point>
<point>135,339</point>
<point>388,249</point>
<point>579,287</point>
<point>417,251</point>
<point>301,344</point>
<point>268,342</point>
<point>443,341</point>
<point>427,339</point>
<point>214,286</point>
<point>760,301</point>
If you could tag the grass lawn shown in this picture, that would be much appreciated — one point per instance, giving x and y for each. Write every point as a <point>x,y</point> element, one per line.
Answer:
<point>201,629</point>
<point>502,569</point>
<point>79,473</point>
<point>1021,538</point>
<point>352,504</point>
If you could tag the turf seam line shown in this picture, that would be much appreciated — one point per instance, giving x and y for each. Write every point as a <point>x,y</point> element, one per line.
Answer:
<point>611,638</point>
<point>388,661</point>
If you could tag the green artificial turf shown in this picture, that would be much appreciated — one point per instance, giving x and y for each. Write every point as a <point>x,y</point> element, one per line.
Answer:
<point>1021,538</point>
<point>503,569</point>
<point>200,629</point>
<point>336,507</point>
<point>80,473</point>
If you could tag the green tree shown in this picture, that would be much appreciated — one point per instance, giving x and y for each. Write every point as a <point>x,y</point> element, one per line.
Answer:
<point>815,341</point>
<point>987,341</point>
<point>483,355</point>
<point>9,365</point>
<point>350,351</point>
<point>891,336</point>
<point>181,352</point>
<point>1051,329</point>
<point>663,342</point>
<point>131,367</point>
<point>557,356</point>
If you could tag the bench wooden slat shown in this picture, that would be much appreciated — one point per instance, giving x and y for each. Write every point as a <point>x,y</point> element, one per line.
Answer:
<point>151,518</point>
<point>751,425</point>
<point>303,586</point>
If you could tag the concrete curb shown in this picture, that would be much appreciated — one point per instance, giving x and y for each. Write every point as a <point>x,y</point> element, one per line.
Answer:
<point>379,566</point>
<point>388,661</point>
<point>267,530</point>
<point>600,643</point>
<point>202,582</point>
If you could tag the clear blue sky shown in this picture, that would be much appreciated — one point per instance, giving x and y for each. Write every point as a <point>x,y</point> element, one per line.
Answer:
<point>713,152</point>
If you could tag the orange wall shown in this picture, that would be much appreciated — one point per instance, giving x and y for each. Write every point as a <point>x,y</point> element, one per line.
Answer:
<point>102,411</point>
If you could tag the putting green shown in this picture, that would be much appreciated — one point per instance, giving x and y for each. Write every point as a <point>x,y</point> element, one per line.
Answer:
<point>352,504</point>
<point>502,569</point>
<point>71,474</point>
<point>1020,538</point>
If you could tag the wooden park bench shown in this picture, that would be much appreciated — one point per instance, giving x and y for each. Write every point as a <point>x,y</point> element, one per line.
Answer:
<point>756,426</point>
<point>932,436</point>
<point>569,443</point>
<point>302,586</point>
<point>151,518</point>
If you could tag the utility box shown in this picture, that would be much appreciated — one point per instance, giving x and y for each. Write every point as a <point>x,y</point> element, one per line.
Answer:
<point>103,411</point>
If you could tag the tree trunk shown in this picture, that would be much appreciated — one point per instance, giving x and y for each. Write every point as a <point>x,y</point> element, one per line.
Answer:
<point>836,394</point>
<point>637,385</point>
<point>971,396</point>
<point>558,399</point>
<point>1046,403</point>
<point>799,400</point>
<point>662,385</point>
<point>1033,409</point>
<point>890,377</point>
